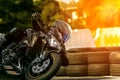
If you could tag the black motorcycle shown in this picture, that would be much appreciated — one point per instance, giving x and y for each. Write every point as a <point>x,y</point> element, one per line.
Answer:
<point>36,56</point>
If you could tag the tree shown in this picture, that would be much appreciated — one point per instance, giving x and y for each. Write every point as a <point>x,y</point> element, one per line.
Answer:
<point>50,11</point>
<point>17,13</point>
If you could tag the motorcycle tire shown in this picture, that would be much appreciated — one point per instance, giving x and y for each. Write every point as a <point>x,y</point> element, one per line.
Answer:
<point>55,59</point>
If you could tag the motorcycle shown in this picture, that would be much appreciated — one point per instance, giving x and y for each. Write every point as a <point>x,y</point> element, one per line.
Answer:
<point>37,56</point>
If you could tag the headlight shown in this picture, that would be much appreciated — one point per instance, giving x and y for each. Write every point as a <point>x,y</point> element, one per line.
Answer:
<point>54,43</point>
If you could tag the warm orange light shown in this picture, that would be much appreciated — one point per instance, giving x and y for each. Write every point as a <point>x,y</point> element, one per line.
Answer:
<point>68,1</point>
<point>97,34</point>
<point>102,13</point>
<point>76,1</point>
<point>107,37</point>
<point>84,15</point>
<point>69,20</point>
<point>74,15</point>
<point>109,9</point>
<point>75,30</point>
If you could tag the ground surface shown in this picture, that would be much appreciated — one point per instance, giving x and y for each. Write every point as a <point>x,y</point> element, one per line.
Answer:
<point>87,78</point>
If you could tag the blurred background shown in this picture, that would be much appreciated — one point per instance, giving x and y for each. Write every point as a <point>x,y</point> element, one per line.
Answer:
<point>101,17</point>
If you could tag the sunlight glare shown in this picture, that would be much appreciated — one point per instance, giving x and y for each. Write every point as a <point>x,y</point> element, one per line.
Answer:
<point>69,1</point>
<point>74,15</point>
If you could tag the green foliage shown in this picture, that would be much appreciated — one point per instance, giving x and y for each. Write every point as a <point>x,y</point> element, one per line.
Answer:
<point>17,13</point>
<point>51,12</point>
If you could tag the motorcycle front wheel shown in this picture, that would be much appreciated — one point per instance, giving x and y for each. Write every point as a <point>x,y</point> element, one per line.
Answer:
<point>44,71</point>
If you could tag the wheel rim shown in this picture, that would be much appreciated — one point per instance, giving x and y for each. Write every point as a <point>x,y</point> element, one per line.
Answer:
<point>38,67</point>
<point>52,69</point>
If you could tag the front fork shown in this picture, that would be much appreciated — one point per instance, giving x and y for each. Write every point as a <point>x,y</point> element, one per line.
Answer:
<point>42,53</point>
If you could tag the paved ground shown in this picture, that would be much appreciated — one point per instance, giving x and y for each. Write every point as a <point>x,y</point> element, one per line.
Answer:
<point>4,77</point>
<point>87,78</point>
<point>72,78</point>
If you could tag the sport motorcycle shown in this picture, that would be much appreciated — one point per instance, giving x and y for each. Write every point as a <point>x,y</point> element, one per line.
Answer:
<point>37,55</point>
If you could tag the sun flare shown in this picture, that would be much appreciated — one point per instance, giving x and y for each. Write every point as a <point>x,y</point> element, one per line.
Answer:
<point>68,1</point>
